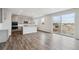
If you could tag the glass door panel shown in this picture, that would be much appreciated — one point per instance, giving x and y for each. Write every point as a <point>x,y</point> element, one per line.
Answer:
<point>57,24</point>
<point>68,24</point>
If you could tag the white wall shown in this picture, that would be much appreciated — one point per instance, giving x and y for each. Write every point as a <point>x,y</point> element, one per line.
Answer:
<point>77,24</point>
<point>47,26</point>
<point>37,21</point>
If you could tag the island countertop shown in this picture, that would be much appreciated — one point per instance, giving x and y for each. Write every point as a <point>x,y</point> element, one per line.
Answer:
<point>26,25</point>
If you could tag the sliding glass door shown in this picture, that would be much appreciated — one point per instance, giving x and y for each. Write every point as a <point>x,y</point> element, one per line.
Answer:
<point>57,24</point>
<point>64,24</point>
<point>68,24</point>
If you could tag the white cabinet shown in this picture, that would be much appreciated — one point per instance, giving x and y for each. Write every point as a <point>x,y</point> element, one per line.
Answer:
<point>29,29</point>
<point>3,35</point>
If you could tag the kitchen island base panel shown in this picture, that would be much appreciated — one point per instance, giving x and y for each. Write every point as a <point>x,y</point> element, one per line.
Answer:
<point>29,29</point>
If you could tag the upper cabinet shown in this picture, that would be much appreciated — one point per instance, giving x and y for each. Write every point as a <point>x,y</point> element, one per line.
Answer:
<point>0,15</point>
<point>22,19</point>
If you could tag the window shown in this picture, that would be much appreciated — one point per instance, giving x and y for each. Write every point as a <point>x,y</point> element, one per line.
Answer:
<point>68,24</point>
<point>64,24</point>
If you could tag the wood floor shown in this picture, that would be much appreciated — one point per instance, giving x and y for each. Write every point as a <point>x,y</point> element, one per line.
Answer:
<point>17,41</point>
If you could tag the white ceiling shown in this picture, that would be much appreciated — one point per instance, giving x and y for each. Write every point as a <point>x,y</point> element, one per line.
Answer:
<point>34,12</point>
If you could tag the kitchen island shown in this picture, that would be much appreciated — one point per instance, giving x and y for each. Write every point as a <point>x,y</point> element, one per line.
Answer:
<point>3,35</point>
<point>29,28</point>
